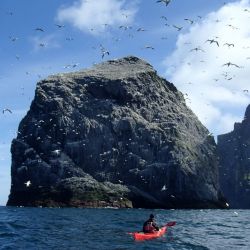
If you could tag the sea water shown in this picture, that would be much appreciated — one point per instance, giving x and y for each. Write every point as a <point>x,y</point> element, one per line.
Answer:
<point>72,228</point>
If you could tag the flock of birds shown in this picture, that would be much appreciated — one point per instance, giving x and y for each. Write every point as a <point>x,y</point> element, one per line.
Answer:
<point>104,52</point>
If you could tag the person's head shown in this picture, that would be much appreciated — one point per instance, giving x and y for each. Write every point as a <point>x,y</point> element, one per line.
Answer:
<point>151,216</point>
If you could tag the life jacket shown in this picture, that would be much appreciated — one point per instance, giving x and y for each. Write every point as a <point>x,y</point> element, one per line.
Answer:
<point>149,227</point>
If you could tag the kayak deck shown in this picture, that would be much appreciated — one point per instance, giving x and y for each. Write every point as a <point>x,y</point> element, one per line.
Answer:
<point>148,236</point>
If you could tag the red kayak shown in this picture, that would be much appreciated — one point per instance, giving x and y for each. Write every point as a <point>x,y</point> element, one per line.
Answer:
<point>154,235</point>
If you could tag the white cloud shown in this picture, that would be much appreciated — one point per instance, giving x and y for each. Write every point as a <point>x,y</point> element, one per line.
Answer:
<point>216,91</point>
<point>95,16</point>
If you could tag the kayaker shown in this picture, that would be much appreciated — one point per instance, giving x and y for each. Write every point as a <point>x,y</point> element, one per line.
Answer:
<point>150,226</point>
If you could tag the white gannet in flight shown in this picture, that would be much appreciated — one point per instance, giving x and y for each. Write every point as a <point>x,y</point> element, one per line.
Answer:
<point>164,1</point>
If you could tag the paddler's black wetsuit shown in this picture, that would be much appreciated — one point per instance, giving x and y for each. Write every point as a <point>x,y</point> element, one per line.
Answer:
<point>150,226</point>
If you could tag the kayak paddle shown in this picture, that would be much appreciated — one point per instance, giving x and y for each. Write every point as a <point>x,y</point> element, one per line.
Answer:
<point>170,224</point>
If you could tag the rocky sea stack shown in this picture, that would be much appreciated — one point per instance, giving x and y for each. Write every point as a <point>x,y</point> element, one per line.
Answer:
<point>114,135</point>
<point>234,152</point>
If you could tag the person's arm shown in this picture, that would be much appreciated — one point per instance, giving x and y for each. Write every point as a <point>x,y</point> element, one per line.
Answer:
<point>155,226</point>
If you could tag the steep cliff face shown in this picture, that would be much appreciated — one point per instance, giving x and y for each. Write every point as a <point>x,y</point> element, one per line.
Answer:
<point>234,152</point>
<point>114,135</point>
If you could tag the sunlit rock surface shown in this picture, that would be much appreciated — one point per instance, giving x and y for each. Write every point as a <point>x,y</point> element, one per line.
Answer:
<point>234,152</point>
<point>114,135</point>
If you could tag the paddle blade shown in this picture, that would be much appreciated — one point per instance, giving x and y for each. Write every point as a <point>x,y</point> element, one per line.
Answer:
<point>171,224</point>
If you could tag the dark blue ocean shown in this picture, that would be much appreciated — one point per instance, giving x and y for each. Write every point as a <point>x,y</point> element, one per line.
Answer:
<point>72,228</point>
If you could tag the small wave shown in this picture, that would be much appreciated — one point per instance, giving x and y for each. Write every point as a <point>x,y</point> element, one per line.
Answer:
<point>192,246</point>
<point>15,225</point>
<point>7,234</point>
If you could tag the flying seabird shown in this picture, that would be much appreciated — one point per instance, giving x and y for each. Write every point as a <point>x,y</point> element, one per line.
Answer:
<point>189,20</point>
<point>5,110</point>
<point>126,15</point>
<point>164,17</point>
<point>75,65</point>
<point>197,49</point>
<point>60,26</point>
<point>177,27</point>
<point>231,26</point>
<point>71,65</point>
<point>149,47</point>
<point>39,29</point>
<point>231,64</point>
<point>9,13</point>
<point>125,27</point>
<point>141,29</point>
<point>28,183</point>
<point>213,41</point>
<point>13,39</point>
<point>164,1</point>
<point>229,44</point>
<point>104,51</point>
<point>56,152</point>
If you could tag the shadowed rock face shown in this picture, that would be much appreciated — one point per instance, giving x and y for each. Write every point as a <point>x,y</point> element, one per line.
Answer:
<point>114,135</point>
<point>234,152</point>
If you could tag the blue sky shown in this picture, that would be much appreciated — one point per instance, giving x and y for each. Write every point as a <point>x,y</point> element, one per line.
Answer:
<point>33,47</point>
